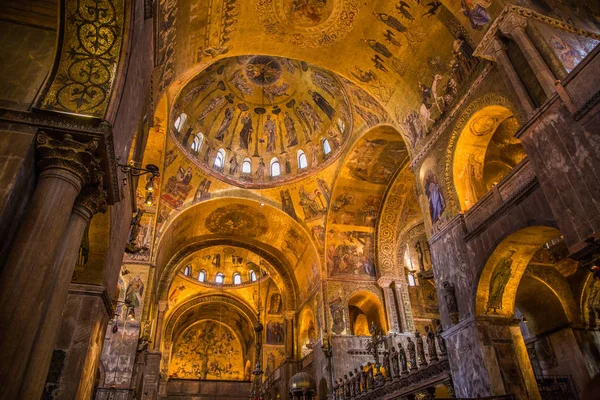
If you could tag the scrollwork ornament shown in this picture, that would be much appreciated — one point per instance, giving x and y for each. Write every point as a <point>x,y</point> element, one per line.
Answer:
<point>91,46</point>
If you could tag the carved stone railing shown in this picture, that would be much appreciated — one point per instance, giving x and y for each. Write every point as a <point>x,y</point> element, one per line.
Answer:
<point>113,394</point>
<point>405,369</point>
<point>518,180</point>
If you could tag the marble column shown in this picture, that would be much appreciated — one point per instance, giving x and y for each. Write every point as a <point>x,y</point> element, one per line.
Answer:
<point>514,27</point>
<point>28,278</point>
<point>390,304</point>
<point>90,201</point>
<point>496,51</point>
<point>289,334</point>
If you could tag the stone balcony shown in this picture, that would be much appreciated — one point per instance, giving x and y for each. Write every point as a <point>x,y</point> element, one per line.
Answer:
<point>515,184</point>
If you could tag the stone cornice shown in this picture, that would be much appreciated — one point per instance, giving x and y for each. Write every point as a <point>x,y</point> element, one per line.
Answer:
<point>82,289</point>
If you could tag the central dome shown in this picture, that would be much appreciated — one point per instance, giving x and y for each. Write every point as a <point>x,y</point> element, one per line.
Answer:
<point>260,121</point>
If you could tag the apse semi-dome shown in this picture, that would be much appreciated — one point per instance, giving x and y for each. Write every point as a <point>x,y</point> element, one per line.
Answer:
<point>261,121</point>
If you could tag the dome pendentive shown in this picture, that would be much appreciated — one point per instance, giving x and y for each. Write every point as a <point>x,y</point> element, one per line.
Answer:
<point>243,115</point>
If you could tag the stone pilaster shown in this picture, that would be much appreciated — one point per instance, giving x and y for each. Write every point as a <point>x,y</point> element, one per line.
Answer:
<point>30,273</point>
<point>79,343</point>
<point>488,358</point>
<point>562,145</point>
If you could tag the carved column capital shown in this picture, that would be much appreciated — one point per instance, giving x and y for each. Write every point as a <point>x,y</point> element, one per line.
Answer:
<point>163,306</point>
<point>91,200</point>
<point>492,49</point>
<point>289,315</point>
<point>511,23</point>
<point>67,154</point>
<point>385,281</point>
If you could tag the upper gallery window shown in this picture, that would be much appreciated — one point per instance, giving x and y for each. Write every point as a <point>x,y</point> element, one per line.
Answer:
<point>302,160</point>
<point>197,143</point>
<point>326,146</point>
<point>246,166</point>
<point>275,167</point>
<point>180,121</point>
<point>187,271</point>
<point>237,279</point>
<point>202,276</point>
<point>220,159</point>
<point>219,278</point>
<point>252,276</point>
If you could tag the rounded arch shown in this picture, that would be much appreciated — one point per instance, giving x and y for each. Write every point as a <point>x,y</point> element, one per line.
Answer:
<point>375,159</point>
<point>500,276</point>
<point>179,314</point>
<point>275,267</point>
<point>540,306</point>
<point>365,308</point>
<point>497,102</point>
<point>245,223</point>
<point>307,330</point>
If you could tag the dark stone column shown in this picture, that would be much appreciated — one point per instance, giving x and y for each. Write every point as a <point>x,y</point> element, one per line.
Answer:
<point>89,202</point>
<point>28,278</point>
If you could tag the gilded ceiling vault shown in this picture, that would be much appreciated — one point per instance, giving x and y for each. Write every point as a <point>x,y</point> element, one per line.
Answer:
<point>397,198</point>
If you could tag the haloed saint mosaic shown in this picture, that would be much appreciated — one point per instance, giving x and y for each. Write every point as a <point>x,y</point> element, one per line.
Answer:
<point>260,121</point>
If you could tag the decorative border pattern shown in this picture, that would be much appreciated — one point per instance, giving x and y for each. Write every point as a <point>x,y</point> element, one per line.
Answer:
<point>84,76</point>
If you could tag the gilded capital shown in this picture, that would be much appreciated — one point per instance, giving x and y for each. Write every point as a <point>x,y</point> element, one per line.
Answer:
<point>67,154</point>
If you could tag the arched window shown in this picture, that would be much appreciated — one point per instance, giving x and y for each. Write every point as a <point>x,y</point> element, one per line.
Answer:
<point>219,278</point>
<point>252,276</point>
<point>237,279</point>
<point>197,143</point>
<point>246,166</point>
<point>275,168</point>
<point>326,146</point>
<point>220,159</point>
<point>341,125</point>
<point>302,161</point>
<point>411,280</point>
<point>180,121</point>
<point>187,271</point>
<point>202,276</point>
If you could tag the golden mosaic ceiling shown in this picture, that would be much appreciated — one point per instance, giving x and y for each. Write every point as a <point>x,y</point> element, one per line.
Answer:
<point>243,114</point>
